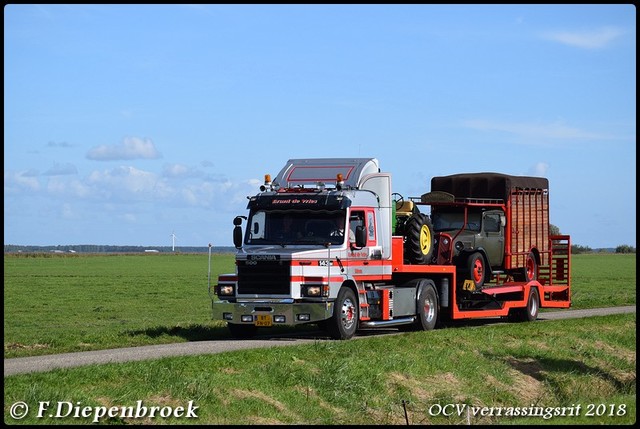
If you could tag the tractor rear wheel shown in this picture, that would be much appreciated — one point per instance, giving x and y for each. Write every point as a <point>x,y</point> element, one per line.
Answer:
<point>419,239</point>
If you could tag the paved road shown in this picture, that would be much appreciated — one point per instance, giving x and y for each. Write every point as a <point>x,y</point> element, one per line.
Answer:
<point>69,360</point>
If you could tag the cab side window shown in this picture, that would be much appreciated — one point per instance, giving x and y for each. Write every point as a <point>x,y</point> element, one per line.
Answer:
<point>356,219</point>
<point>492,223</point>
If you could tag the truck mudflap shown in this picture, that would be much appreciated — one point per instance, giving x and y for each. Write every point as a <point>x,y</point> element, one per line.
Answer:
<point>267,314</point>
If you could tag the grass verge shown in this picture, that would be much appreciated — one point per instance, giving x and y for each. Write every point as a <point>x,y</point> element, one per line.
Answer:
<point>463,375</point>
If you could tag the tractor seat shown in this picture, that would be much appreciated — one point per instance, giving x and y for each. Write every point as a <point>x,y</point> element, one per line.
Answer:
<point>405,209</point>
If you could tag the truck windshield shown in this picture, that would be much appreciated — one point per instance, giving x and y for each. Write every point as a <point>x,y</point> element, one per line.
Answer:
<point>296,227</point>
<point>450,220</point>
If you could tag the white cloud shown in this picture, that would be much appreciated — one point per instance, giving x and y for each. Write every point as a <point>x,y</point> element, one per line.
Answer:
<point>30,173</point>
<point>129,148</point>
<point>20,182</point>
<point>61,170</point>
<point>62,187</point>
<point>585,39</point>
<point>540,169</point>
<point>59,144</point>
<point>180,171</point>
<point>127,179</point>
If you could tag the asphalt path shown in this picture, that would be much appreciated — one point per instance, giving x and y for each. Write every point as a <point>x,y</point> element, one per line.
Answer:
<point>69,360</point>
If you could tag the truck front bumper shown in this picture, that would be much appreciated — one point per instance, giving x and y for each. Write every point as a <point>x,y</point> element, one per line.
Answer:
<point>267,313</point>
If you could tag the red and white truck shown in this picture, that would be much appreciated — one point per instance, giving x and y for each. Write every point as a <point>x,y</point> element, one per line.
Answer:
<point>327,242</point>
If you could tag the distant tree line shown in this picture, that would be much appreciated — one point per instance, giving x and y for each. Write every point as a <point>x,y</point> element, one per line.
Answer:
<point>96,248</point>
<point>577,248</point>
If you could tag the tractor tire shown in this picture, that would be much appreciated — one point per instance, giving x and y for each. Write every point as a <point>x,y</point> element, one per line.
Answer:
<point>419,242</point>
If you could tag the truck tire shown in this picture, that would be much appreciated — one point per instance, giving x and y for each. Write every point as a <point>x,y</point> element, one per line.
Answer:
<point>476,269</point>
<point>419,239</point>
<point>242,331</point>
<point>427,306</point>
<point>530,312</point>
<point>530,268</point>
<point>344,322</point>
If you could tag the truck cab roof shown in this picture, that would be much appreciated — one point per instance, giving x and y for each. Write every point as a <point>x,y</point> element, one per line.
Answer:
<point>310,172</point>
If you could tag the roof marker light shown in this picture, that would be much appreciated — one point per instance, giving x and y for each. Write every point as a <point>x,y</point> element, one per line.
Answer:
<point>339,181</point>
<point>267,183</point>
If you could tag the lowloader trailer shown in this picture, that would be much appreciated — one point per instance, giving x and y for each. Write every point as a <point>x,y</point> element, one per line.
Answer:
<point>327,242</point>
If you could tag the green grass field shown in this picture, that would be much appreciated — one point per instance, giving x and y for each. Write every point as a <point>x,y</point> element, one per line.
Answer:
<point>74,303</point>
<point>56,304</point>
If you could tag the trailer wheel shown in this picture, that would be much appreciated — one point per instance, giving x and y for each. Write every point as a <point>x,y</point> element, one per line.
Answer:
<point>419,239</point>
<point>533,305</point>
<point>476,269</point>
<point>344,322</point>
<point>530,313</point>
<point>427,306</point>
<point>242,331</point>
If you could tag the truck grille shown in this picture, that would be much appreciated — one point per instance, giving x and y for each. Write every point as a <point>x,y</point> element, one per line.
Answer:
<point>264,277</point>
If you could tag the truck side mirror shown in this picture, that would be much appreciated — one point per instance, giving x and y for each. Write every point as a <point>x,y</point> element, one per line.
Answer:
<point>237,236</point>
<point>503,220</point>
<point>237,232</point>
<point>361,236</point>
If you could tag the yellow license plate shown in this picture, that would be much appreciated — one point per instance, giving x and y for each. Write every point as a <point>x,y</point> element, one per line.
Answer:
<point>264,320</point>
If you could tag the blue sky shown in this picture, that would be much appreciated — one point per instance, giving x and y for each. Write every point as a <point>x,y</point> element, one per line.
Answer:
<point>124,124</point>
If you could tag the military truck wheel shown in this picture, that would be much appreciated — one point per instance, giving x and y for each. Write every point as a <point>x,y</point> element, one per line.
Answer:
<point>419,239</point>
<point>531,268</point>
<point>242,331</point>
<point>427,306</point>
<point>476,269</point>
<point>344,322</point>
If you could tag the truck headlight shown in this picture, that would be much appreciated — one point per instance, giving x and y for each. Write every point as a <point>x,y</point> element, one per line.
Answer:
<point>314,291</point>
<point>226,290</point>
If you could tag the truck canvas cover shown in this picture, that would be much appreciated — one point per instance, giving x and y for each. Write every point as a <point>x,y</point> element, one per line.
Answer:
<point>486,185</point>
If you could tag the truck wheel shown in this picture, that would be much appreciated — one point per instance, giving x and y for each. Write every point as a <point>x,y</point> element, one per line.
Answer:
<point>427,306</point>
<point>476,269</point>
<point>344,322</point>
<point>419,244</point>
<point>530,313</point>
<point>533,304</point>
<point>242,331</point>
<point>530,268</point>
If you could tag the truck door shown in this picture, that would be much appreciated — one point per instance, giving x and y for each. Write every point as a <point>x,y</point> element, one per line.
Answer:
<point>491,237</point>
<point>372,252</point>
